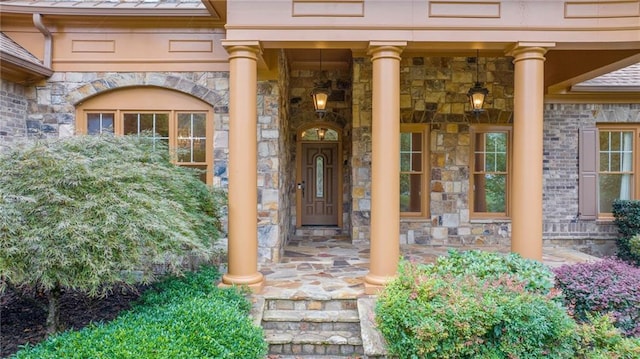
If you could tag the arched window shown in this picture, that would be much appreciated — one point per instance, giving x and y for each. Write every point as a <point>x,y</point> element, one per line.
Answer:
<point>184,122</point>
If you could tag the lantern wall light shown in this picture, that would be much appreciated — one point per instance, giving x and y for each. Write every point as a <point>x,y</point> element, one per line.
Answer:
<point>320,95</point>
<point>477,93</point>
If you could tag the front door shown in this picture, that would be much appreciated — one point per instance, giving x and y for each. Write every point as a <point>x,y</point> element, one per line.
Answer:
<point>319,186</point>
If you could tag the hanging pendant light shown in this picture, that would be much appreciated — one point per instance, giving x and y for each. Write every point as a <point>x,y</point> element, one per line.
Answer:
<point>320,96</point>
<point>477,93</point>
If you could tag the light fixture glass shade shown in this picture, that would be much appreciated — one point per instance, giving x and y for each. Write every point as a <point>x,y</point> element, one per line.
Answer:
<point>320,97</point>
<point>321,133</point>
<point>477,94</point>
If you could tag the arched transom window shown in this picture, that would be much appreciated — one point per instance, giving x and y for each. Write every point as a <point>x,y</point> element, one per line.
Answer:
<point>185,123</point>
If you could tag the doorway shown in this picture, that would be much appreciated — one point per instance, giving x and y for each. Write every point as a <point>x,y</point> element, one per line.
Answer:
<point>319,178</point>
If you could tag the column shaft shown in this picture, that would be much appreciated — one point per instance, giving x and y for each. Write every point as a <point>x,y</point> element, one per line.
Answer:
<point>243,195</point>
<point>385,167</point>
<point>526,202</point>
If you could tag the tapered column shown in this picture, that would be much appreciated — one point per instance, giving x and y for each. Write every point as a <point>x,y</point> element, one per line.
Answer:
<point>385,166</point>
<point>243,163</point>
<point>526,188</point>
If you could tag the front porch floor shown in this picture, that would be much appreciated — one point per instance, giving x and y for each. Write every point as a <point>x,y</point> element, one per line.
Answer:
<point>324,268</point>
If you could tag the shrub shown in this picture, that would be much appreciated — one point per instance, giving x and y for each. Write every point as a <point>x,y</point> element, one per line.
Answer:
<point>608,286</point>
<point>488,265</point>
<point>446,311</point>
<point>599,339</point>
<point>634,245</point>
<point>627,218</point>
<point>88,212</point>
<point>184,318</point>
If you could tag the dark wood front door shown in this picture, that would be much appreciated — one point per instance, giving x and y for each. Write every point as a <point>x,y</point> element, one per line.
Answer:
<point>320,184</point>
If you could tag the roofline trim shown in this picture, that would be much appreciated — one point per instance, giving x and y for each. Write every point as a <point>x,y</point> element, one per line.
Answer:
<point>27,66</point>
<point>103,11</point>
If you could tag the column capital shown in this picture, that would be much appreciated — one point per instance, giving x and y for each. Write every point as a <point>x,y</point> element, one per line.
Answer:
<point>382,49</point>
<point>529,50</point>
<point>242,48</point>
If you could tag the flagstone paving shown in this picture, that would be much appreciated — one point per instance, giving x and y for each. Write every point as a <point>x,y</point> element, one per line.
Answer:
<point>333,268</point>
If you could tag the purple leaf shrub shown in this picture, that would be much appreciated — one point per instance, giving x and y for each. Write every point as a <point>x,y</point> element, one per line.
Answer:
<point>608,286</point>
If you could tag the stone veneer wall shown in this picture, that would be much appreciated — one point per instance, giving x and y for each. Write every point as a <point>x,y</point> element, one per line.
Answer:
<point>562,123</point>
<point>433,91</point>
<point>50,112</point>
<point>13,112</point>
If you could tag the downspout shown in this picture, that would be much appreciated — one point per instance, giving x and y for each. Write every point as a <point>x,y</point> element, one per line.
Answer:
<point>48,39</point>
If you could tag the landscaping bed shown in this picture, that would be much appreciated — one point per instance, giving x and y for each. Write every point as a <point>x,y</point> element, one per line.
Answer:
<point>185,317</point>
<point>22,318</point>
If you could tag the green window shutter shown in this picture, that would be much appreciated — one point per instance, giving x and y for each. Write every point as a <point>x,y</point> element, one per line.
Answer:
<point>588,174</point>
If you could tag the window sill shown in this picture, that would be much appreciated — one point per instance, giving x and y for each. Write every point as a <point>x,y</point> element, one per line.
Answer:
<point>489,220</point>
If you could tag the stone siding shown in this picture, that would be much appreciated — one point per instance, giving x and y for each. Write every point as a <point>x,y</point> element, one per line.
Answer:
<point>13,112</point>
<point>433,92</point>
<point>49,111</point>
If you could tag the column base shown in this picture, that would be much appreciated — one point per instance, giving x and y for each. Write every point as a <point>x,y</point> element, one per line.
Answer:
<point>254,282</point>
<point>373,284</point>
<point>528,252</point>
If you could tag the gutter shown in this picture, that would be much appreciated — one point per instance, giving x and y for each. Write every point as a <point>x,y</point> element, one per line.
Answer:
<point>48,39</point>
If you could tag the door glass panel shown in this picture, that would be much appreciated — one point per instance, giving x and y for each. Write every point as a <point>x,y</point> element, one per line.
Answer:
<point>319,177</point>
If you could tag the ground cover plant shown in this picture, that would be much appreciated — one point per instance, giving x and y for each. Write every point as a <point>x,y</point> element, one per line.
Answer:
<point>85,213</point>
<point>608,286</point>
<point>179,318</point>
<point>488,305</point>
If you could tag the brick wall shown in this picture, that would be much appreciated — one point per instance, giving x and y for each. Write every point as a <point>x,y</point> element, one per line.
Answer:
<point>13,112</point>
<point>562,123</point>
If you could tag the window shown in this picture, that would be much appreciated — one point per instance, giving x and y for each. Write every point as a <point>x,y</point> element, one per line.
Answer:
<point>186,127</point>
<point>608,164</point>
<point>413,170</point>
<point>490,167</point>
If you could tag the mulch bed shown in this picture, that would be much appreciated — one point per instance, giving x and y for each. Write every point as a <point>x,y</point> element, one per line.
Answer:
<point>22,321</point>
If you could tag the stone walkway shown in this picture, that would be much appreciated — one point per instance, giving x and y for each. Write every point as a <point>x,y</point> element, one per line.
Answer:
<point>333,268</point>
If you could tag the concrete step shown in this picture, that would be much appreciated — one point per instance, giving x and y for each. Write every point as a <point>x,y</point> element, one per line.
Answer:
<point>320,231</point>
<point>310,327</point>
<point>310,304</point>
<point>313,342</point>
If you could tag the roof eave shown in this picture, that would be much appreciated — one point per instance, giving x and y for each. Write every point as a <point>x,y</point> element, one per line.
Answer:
<point>21,70</point>
<point>104,11</point>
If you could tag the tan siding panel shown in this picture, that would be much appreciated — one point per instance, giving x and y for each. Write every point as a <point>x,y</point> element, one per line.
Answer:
<point>93,46</point>
<point>190,46</point>
<point>328,8</point>
<point>464,9</point>
<point>597,10</point>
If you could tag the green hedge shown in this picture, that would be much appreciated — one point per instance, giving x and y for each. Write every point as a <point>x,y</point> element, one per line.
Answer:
<point>182,318</point>
<point>627,218</point>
